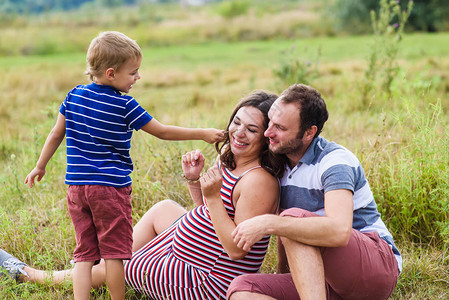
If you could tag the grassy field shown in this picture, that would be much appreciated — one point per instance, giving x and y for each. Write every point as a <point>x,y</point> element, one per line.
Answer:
<point>401,137</point>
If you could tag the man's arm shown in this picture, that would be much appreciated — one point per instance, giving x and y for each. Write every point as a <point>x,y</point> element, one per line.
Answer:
<point>332,230</point>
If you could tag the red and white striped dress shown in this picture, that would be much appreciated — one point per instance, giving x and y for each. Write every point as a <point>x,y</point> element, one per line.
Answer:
<point>187,261</point>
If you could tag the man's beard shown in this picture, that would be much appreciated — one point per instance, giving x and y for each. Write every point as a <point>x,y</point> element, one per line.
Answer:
<point>293,146</point>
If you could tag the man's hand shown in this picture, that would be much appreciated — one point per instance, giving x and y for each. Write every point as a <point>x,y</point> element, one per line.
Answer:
<point>250,231</point>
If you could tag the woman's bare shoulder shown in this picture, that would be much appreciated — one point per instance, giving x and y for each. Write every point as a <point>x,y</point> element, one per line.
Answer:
<point>258,188</point>
<point>259,177</point>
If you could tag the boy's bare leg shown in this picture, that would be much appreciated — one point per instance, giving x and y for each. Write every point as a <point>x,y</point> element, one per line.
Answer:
<point>115,278</point>
<point>82,280</point>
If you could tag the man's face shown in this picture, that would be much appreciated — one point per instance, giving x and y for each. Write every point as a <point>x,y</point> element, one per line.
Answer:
<point>283,129</point>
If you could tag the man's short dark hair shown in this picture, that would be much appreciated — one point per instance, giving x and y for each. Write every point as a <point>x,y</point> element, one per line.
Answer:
<point>312,108</point>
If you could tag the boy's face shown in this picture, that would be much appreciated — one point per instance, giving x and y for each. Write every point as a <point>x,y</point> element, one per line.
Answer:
<point>127,75</point>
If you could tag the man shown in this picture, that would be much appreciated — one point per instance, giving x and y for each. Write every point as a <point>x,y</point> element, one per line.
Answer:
<point>332,243</point>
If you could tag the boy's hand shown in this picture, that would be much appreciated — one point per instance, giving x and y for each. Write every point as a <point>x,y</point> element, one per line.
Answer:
<point>213,135</point>
<point>35,172</point>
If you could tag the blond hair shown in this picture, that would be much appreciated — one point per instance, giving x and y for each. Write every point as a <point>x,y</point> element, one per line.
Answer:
<point>110,49</point>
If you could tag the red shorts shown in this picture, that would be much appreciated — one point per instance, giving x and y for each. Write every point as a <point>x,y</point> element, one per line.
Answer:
<point>102,217</point>
<point>364,269</point>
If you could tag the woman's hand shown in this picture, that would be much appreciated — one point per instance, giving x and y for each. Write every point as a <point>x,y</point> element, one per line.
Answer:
<point>211,183</point>
<point>193,164</point>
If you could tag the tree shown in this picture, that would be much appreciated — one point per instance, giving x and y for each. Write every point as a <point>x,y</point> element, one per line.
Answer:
<point>427,15</point>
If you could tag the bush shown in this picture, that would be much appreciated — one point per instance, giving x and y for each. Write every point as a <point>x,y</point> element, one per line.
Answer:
<point>233,8</point>
<point>353,15</point>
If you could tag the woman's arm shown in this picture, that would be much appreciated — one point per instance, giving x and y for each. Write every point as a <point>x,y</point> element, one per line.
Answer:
<point>195,193</point>
<point>257,194</point>
<point>192,165</point>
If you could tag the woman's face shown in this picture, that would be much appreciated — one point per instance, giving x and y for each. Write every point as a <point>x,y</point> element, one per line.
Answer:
<point>246,130</point>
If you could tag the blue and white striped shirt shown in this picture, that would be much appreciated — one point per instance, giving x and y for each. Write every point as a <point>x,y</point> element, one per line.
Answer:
<point>99,126</point>
<point>327,166</point>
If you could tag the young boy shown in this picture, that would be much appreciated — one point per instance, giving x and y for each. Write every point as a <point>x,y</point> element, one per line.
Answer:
<point>98,122</point>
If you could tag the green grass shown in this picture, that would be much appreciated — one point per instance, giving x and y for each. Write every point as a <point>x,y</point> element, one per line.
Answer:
<point>414,47</point>
<point>402,140</point>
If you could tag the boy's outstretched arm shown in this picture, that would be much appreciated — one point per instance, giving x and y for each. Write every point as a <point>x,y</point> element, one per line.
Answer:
<point>176,133</point>
<point>52,143</point>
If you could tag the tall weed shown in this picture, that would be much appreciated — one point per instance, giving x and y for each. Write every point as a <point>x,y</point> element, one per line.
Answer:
<point>410,176</point>
<point>295,68</point>
<point>388,26</point>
